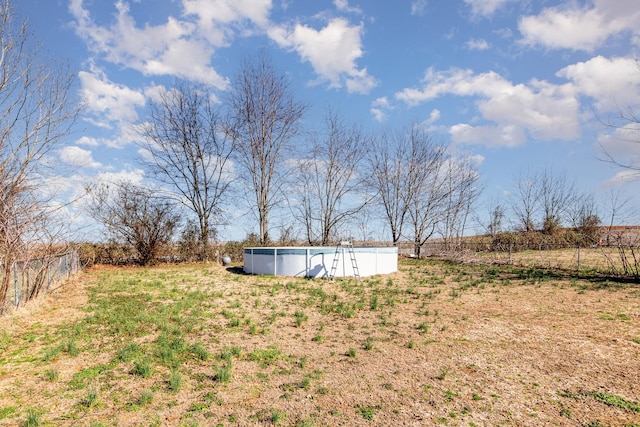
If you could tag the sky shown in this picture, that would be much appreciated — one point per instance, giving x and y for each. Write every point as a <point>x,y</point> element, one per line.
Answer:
<point>517,84</point>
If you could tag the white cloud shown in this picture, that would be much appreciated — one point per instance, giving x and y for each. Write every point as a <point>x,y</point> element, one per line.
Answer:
<point>614,83</point>
<point>505,136</point>
<point>484,8</point>
<point>173,48</point>
<point>332,52</point>
<point>88,141</point>
<point>621,144</point>
<point>134,176</point>
<point>542,110</point>
<point>76,156</point>
<point>379,108</point>
<point>477,44</point>
<point>576,27</point>
<point>218,19</point>
<point>106,101</point>
<point>434,116</point>
<point>343,6</point>
<point>418,7</point>
<point>623,177</point>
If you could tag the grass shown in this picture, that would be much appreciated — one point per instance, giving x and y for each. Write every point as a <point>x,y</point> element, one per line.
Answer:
<point>33,418</point>
<point>614,400</point>
<point>199,345</point>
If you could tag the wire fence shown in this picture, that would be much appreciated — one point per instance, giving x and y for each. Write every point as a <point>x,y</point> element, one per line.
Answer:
<point>618,259</point>
<point>30,278</point>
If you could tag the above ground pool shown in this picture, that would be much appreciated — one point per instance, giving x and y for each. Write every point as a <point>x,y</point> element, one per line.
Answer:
<point>317,261</point>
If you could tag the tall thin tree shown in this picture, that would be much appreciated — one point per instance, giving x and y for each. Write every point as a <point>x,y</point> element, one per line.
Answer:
<point>266,118</point>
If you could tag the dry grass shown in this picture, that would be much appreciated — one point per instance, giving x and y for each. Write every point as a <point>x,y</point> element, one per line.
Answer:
<point>434,344</point>
<point>598,259</point>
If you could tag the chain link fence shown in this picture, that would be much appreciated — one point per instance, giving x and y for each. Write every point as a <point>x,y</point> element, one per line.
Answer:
<point>30,278</point>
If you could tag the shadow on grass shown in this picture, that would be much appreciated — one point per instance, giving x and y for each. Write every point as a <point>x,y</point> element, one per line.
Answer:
<point>237,269</point>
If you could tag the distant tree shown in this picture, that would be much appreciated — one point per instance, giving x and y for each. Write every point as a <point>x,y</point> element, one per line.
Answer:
<point>187,148</point>
<point>462,191</point>
<point>134,215</point>
<point>426,189</point>
<point>585,220</point>
<point>36,113</point>
<point>617,206</point>
<point>266,118</point>
<point>545,196</point>
<point>189,244</point>
<point>388,160</point>
<point>556,195</point>
<point>330,182</point>
<point>525,203</point>
<point>497,214</point>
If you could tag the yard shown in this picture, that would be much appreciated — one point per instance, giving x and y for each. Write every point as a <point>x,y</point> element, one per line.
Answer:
<point>436,343</point>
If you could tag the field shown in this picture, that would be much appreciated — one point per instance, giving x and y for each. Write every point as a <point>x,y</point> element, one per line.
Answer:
<point>436,343</point>
<point>605,259</point>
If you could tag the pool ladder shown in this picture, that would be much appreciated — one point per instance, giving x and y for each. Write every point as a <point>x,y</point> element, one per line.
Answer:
<point>336,258</point>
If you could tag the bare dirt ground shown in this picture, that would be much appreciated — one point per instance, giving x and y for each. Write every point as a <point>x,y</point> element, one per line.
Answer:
<point>434,344</point>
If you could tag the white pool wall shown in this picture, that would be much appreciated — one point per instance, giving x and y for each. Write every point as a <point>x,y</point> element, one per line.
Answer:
<point>316,261</point>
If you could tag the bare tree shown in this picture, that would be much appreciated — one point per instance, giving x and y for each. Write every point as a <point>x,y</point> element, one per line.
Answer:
<point>497,214</point>
<point>556,195</point>
<point>36,112</point>
<point>331,183</point>
<point>388,161</point>
<point>617,206</point>
<point>461,192</point>
<point>135,215</point>
<point>546,196</point>
<point>267,117</point>
<point>583,214</point>
<point>187,148</point>
<point>426,190</point>
<point>525,202</point>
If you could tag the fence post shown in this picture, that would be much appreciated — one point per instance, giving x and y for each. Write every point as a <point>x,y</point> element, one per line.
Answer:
<point>510,251</point>
<point>578,256</point>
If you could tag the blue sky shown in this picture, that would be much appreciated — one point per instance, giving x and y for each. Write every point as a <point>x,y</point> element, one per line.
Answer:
<point>517,84</point>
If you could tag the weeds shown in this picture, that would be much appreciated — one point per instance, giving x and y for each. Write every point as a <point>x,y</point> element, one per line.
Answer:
<point>142,368</point>
<point>368,344</point>
<point>175,381</point>
<point>300,318</point>
<point>33,418</point>
<point>614,400</point>
<point>51,375</point>
<point>367,412</point>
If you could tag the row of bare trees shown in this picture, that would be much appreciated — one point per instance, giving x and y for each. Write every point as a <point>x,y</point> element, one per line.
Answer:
<point>252,146</point>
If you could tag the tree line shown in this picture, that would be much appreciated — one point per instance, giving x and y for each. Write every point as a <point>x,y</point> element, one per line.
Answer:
<point>205,156</point>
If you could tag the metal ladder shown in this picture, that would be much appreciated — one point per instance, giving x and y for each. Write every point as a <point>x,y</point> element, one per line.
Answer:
<point>336,258</point>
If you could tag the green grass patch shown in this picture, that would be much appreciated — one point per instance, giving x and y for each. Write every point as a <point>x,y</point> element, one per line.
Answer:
<point>266,356</point>
<point>8,412</point>
<point>614,400</point>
